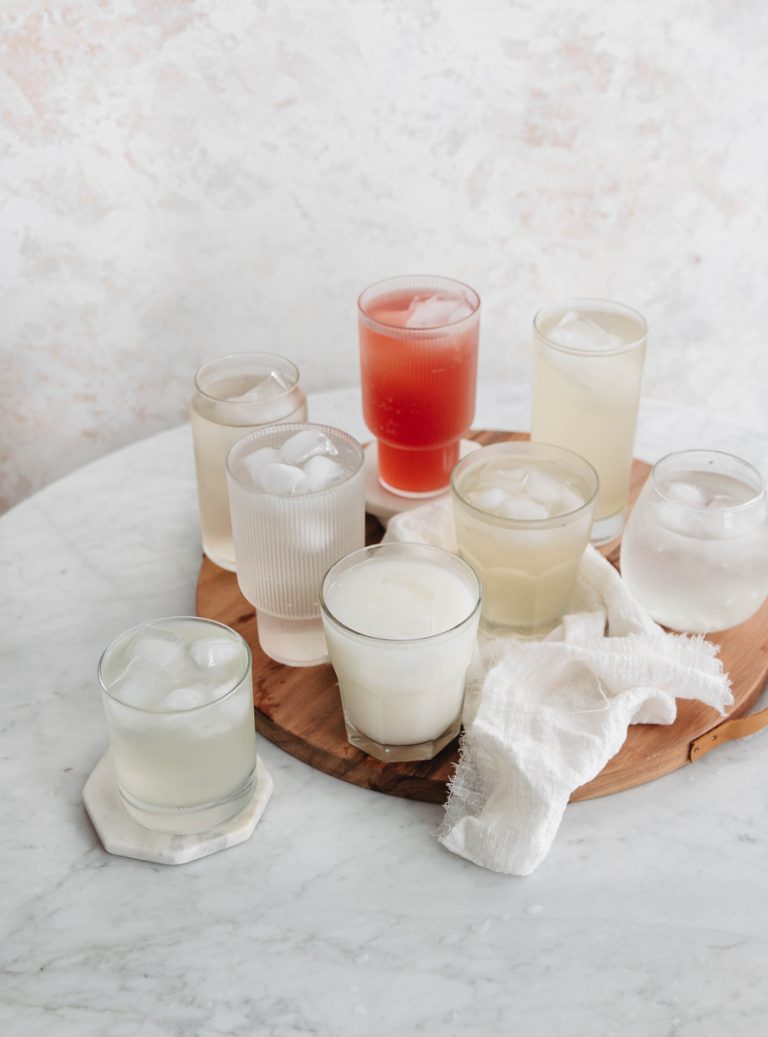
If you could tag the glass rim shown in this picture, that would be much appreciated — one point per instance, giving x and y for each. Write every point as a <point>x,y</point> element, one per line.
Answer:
<point>131,631</point>
<point>762,492</point>
<point>371,549</point>
<point>526,524</point>
<point>431,329</point>
<point>294,371</point>
<point>582,301</point>
<point>264,430</point>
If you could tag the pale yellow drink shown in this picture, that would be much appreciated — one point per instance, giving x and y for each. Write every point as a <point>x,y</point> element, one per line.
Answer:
<point>588,366</point>
<point>235,395</point>
<point>523,514</point>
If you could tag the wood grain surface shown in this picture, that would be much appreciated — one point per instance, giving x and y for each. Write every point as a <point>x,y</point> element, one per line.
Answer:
<point>299,708</point>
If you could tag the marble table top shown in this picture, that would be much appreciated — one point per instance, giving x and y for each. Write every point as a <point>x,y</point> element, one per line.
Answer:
<point>342,914</point>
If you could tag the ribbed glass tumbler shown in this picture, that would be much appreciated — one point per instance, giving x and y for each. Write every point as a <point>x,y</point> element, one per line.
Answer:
<point>296,494</point>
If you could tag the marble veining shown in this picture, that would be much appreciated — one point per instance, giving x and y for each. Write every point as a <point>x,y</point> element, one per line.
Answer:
<point>342,914</point>
<point>183,179</point>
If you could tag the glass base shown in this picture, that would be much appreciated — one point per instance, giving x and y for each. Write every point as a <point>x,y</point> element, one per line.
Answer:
<point>523,633</point>
<point>293,642</point>
<point>606,529</point>
<point>189,820</point>
<point>401,753</point>
<point>220,560</point>
<point>420,471</point>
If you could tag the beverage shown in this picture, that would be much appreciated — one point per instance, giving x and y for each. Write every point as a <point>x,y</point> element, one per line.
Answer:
<point>297,499</point>
<point>401,622</point>
<point>418,362</point>
<point>179,703</point>
<point>235,394</point>
<point>588,365</point>
<point>523,514</point>
<point>695,550</point>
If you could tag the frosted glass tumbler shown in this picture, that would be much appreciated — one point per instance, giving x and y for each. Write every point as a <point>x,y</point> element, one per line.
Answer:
<point>297,499</point>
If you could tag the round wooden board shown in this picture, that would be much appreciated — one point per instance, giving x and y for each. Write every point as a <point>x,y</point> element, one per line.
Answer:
<point>299,709</point>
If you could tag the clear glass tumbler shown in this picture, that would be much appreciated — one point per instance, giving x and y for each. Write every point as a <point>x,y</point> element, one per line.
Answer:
<point>233,395</point>
<point>587,370</point>
<point>401,626</point>
<point>695,550</point>
<point>523,514</point>
<point>178,697</point>
<point>297,498</point>
<point>418,362</point>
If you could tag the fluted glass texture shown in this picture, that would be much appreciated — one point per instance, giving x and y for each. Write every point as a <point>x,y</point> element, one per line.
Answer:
<point>284,545</point>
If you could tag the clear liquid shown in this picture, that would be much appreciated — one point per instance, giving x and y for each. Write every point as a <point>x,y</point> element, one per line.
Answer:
<point>698,569</point>
<point>216,427</point>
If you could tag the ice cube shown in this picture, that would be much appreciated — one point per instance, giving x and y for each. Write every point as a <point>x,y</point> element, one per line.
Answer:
<point>321,472</point>
<point>211,652</point>
<point>254,464</point>
<point>190,697</point>
<point>523,510</point>
<point>305,444</point>
<point>578,332</point>
<point>434,311</point>
<point>720,501</point>
<point>273,385</point>
<point>569,500</point>
<point>160,647</point>
<point>489,499</point>
<point>141,684</point>
<point>284,480</point>
<point>544,488</point>
<point>685,493</point>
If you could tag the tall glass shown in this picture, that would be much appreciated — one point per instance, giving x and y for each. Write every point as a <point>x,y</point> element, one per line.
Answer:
<point>178,697</point>
<point>587,370</point>
<point>292,518</point>
<point>233,395</point>
<point>695,550</point>
<point>401,623</point>
<point>418,362</point>
<point>523,514</point>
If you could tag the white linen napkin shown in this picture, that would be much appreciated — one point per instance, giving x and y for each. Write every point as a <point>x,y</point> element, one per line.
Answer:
<point>541,718</point>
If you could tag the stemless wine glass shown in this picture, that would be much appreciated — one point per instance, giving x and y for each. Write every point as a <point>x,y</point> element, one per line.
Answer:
<point>695,550</point>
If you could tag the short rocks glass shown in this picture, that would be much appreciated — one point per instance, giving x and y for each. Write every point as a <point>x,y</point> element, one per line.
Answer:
<point>695,550</point>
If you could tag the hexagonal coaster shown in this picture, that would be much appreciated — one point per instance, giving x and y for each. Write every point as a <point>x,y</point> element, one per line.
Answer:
<point>121,835</point>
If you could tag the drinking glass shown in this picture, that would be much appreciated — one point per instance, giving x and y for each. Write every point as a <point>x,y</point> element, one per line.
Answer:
<point>523,514</point>
<point>233,395</point>
<point>178,698</point>
<point>288,534</point>
<point>418,363</point>
<point>695,550</point>
<point>587,370</point>
<point>401,625</point>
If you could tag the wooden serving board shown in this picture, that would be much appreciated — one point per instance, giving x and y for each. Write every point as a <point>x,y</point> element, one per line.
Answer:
<point>299,708</point>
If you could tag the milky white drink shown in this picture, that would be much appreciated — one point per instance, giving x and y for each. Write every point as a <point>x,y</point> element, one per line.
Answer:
<point>297,499</point>
<point>179,703</point>
<point>588,365</point>
<point>523,514</point>
<point>233,395</point>
<point>400,623</point>
<point>695,550</point>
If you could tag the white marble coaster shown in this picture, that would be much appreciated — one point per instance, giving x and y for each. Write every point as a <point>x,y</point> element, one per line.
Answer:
<point>121,835</point>
<point>383,504</point>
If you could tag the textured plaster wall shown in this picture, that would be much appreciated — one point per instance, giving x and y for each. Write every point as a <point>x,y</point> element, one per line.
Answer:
<point>188,178</point>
